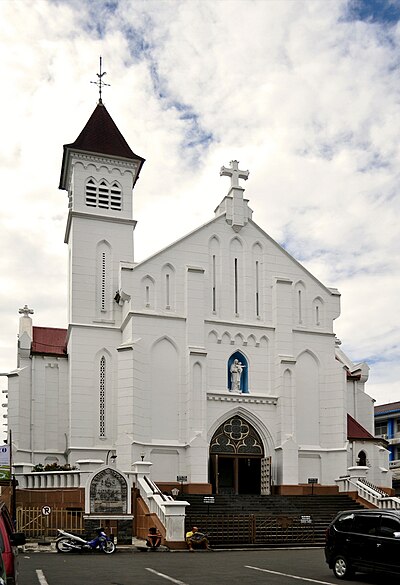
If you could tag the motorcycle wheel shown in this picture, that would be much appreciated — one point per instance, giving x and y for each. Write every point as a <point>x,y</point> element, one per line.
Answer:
<point>62,545</point>
<point>108,548</point>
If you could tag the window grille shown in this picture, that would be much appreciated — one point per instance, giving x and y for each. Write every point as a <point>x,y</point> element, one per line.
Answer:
<point>102,401</point>
<point>103,281</point>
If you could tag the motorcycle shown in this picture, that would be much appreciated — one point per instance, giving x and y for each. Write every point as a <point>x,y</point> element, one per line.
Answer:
<point>67,542</point>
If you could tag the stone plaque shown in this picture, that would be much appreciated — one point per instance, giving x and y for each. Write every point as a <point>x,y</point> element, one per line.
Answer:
<point>108,493</point>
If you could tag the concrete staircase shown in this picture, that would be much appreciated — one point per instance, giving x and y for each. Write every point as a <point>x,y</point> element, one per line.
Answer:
<point>259,521</point>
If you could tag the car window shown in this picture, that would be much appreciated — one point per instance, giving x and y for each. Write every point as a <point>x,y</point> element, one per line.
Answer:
<point>389,526</point>
<point>366,524</point>
<point>344,523</point>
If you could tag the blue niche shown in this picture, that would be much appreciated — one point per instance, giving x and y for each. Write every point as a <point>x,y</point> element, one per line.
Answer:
<point>244,388</point>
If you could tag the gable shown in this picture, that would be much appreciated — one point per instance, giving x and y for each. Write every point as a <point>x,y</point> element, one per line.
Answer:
<point>251,236</point>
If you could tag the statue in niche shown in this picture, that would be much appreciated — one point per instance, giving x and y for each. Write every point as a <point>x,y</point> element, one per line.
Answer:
<point>236,374</point>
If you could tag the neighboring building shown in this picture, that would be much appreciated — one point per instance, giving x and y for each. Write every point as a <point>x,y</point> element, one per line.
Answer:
<point>387,426</point>
<point>215,358</point>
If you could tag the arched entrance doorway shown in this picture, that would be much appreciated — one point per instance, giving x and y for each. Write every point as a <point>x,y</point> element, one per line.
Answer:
<point>236,454</point>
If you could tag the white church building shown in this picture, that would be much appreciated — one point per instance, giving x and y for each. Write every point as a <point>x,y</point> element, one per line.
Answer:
<point>215,359</point>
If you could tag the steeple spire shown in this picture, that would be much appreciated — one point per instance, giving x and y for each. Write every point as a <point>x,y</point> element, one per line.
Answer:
<point>100,83</point>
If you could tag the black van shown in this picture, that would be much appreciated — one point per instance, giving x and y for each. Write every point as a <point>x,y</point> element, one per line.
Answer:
<point>363,540</point>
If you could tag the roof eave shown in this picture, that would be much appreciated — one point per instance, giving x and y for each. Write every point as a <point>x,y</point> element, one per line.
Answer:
<point>68,149</point>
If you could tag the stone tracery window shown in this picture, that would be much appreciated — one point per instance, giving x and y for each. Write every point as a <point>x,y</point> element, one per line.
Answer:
<point>236,436</point>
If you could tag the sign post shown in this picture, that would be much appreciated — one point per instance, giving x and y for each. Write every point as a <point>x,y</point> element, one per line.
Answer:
<point>46,511</point>
<point>208,500</point>
<point>181,479</point>
<point>312,481</point>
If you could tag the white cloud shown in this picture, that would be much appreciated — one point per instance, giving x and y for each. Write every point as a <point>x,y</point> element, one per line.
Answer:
<point>304,98</point>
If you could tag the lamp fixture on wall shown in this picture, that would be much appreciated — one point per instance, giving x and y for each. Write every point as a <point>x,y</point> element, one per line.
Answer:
<point>109,456</point>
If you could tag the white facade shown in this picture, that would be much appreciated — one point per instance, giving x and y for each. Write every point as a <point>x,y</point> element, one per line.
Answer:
<point>150,346</point>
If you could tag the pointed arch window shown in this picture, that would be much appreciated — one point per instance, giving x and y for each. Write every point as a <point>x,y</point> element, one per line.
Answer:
<point>168,292</point>
<point>104,280</point>
<point>103,283</point>
<point>103,195</point>
<point>102,398</point>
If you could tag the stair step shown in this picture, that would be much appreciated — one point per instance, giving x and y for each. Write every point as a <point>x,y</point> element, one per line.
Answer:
<point>239,521</point>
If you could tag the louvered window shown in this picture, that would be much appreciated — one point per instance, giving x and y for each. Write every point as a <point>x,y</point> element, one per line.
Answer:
<point>103,195</point>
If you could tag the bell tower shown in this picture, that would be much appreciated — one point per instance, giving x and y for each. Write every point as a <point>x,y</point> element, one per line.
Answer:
<point>99,172</point>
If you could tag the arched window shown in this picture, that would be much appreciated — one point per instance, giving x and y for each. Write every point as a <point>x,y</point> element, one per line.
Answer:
<point>300,303</point>
<point>168,276</point>
<point>257,258</point>
<point>318,311</point>
<point>237,372</point>
<point>362,459</point>
<point>104,279</point>
<point>103,195</point>
<point>102,398</point>
<point>148,290</point>
<point>237,273</point>
<point>214,272</point>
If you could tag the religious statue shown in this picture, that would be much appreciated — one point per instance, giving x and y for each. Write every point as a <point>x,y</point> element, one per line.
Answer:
<point>236,374</point>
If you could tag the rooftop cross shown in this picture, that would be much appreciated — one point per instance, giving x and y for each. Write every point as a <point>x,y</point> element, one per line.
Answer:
<point>25,311</point>
<point>100,83</point>
<point>234,173</point>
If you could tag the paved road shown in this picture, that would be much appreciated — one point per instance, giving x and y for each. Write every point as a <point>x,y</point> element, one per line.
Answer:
<point>272,567</point>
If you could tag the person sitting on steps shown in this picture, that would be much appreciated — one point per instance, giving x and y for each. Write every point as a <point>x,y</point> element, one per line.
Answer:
<point>153,539</point>
<point>196,539</point>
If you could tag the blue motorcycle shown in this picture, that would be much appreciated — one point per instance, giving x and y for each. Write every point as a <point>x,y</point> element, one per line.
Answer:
<point>67,542</point>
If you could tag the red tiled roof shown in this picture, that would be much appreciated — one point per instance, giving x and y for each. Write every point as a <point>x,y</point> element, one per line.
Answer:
<point>49,341</point>
<point>357,431</point>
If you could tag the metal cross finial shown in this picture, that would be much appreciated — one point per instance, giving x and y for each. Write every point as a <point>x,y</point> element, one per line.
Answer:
<point>100,83</point>
<point>25,311</point>
<point>234,173</point>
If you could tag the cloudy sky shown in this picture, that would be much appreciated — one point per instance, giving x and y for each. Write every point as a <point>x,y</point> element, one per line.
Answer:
<point>305,94</point>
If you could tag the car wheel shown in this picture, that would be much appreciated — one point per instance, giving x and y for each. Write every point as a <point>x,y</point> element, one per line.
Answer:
<point>342,568</point>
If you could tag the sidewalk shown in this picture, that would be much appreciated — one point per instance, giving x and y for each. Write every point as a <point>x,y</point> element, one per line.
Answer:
<point>49,546</point>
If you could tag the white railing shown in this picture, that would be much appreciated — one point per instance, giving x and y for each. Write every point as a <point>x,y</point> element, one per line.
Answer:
<point>48,479</point>
<point>170,512</point>
<point>152,497</point>
<point>368,492</point>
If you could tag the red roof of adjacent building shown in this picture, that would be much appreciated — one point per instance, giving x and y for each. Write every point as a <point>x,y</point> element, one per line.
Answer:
<point>356,431</point>
<point>49,341</point>
<point>387,408</point>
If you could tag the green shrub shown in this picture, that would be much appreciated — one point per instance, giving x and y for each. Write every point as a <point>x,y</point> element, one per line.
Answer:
<point>53,467</point>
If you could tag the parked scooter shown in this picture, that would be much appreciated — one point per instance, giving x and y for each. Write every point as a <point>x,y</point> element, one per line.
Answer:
<point>67,542</point>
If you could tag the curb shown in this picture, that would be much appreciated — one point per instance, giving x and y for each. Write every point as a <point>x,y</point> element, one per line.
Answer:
<point>50,547</point>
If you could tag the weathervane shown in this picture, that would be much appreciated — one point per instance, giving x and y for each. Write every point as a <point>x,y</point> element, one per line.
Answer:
<point>100,83</point>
